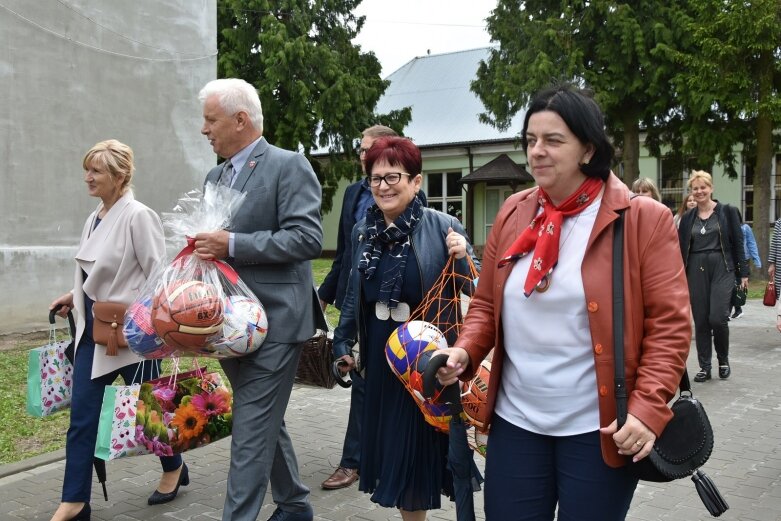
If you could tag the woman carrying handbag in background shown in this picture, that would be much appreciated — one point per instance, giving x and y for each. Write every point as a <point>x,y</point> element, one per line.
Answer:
<point>121,242</point>
<point>773,258</point>
<point>712,248</point>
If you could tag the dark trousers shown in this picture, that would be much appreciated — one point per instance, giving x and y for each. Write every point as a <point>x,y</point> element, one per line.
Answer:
<point>527,475</point>
<point>710,291</point>
<point>351,450</point>
<point>86,401</point>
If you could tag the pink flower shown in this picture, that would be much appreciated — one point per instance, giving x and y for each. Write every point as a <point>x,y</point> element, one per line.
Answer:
<point>165,397</point>
<point>210,404</point>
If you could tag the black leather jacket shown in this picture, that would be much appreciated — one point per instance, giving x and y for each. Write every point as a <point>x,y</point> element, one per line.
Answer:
<point>730,235</point>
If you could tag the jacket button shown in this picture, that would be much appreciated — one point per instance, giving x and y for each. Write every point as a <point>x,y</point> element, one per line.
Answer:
<point>593,306</point>
<point>598,349</point>
<point>603,390</point>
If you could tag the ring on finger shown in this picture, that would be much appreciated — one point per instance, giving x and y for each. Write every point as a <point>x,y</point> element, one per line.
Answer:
<point>639,443</point>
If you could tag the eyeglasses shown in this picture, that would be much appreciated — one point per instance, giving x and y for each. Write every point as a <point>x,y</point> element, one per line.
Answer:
<point>362,151</point>
<point>390,179</point>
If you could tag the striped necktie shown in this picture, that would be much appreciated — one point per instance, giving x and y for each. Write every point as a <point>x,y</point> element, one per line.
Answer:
<point>226,177</point>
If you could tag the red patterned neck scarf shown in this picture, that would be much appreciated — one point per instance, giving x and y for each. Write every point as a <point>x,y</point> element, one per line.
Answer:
<point>544,232</point>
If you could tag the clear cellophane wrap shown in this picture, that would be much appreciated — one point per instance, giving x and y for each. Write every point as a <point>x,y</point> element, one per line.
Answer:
<point>190,306</point>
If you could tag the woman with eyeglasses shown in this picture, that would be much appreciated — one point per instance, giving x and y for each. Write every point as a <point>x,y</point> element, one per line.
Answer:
<point>399,250</point>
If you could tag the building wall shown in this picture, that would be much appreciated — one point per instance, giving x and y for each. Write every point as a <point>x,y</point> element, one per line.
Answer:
<point>75,73</point>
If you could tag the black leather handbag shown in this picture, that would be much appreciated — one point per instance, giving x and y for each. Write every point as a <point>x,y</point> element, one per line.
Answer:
<point>687,441</point>
<point>738,296</point>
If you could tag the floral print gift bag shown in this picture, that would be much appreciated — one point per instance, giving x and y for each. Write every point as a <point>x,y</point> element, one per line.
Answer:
<point>117,425</point>
<point>50,374</point>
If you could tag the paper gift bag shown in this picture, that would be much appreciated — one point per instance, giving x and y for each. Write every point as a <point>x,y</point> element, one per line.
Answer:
<point>117,426</point>
<point>49,378</point>
<point>179,413</point>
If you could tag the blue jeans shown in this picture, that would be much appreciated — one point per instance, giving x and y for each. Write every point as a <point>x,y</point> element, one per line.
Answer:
<point>86,401</point>
<point>351,450</point>
<point>527,475</point>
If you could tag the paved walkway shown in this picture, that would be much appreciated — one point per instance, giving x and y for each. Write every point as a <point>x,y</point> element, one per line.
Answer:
<point>746,464</point>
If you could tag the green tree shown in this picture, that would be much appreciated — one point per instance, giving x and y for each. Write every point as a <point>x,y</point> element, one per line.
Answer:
<point>317,88</point>
<point>729,84</point>
<point>613,48</point>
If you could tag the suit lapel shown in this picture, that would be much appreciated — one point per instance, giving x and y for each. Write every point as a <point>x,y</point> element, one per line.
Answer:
<point>253,163</point>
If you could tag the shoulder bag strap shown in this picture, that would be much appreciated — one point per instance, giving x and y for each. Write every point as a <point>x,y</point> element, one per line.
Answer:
<point>618,318</point>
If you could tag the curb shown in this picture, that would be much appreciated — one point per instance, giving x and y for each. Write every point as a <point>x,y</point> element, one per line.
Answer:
<point>31,463</point>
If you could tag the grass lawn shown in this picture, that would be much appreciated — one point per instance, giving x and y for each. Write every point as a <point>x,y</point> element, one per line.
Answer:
<point>23,436</point>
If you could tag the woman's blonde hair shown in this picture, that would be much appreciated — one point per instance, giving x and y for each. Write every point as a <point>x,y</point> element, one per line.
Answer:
<point>644,184</point>
<point>700,175</point>
<point>113,157</point>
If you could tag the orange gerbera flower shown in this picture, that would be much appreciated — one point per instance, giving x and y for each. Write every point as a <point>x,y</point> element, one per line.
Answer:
<point>188,422</point>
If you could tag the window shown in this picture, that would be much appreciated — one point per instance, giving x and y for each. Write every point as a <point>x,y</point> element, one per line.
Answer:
<point>748,191</point>
<point>444,193</point>
<point>494,198</point>
<point>673,178</point>
<point>672,181</point>
<point>775,180</point>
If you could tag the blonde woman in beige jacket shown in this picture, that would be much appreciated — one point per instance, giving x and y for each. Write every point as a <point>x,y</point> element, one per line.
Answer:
<point>121,242</point>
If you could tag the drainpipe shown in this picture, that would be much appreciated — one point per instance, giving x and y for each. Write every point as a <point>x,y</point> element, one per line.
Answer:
<point>470,200</point>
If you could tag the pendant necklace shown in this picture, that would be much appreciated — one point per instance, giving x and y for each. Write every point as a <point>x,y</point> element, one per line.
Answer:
<point>702,229</point>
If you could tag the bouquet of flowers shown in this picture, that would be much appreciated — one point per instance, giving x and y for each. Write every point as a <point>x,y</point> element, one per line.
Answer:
<point>178,414</point>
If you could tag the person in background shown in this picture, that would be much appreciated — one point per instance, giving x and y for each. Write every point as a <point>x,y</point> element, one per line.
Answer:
<point>778,316</point>
<point>545,302</point>
<point>121,242</point>
<point>712,247</point>
<point>399,250</point>
<point>751,253</point>
<point>646,187</point>
<point>774,255</point>
<point>272,239</point>
<point>687,203</point>
<point>357,199</point>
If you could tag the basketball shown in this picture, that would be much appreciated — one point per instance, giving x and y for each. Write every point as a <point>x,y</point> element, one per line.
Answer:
<point>476,397</point>
<point>408,341</point>
<point>244,328</point>
<point>188,314</point>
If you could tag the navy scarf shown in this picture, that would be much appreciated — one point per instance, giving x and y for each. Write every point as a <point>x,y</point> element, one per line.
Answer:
<point>397,237</point>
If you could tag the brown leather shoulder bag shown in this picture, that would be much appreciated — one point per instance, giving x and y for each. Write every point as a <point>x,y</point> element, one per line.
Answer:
<point>107,326</point>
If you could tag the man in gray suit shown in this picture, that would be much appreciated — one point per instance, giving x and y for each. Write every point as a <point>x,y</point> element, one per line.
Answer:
<point>271,240</point>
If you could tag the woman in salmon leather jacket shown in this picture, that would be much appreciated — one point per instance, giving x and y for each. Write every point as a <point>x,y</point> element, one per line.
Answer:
<point>553,440</point>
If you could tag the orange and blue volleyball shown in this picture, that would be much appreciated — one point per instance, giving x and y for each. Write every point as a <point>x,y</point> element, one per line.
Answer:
<point>408,342</point>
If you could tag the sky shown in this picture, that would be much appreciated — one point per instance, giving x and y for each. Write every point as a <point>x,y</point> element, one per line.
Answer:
<point>400,30</point>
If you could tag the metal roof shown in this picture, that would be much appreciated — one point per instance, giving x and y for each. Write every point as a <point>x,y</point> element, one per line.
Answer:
<point>444,110</point>
<point>502,168</point>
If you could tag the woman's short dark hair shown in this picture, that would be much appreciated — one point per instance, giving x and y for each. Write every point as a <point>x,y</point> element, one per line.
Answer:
<point>583,117</point>
<point>395,151</point>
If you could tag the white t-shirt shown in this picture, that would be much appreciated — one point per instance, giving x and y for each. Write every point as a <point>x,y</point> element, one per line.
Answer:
<point>548,378</point>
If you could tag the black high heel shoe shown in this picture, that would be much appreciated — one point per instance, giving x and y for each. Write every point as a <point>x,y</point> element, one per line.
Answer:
<point>158,498</point>
<point>84,514</point>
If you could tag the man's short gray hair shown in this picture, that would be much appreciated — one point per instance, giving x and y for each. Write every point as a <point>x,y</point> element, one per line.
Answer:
<point>235,95</point>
